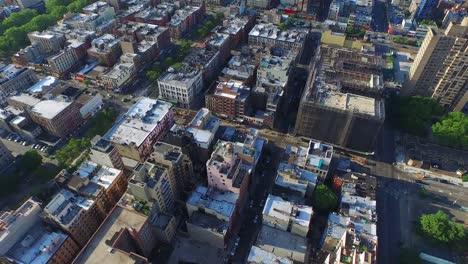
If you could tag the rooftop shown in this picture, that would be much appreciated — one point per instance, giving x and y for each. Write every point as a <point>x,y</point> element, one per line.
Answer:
<point>118,70</point>
<point>25,99</point>
<point>337,73</point>
<point>44,85</point>
<point>222,203</point>
<point>50,108</point>
<point>319,155</point>
<point>8,72</point>
<point>12,221</point>
<point>100,248</point>
<point>65,206</point>
<point>37,246</point>
<point>273,32</point>
<point>104,43</point>
<point>232,89</point>
<point>139,121</point>
<point>260,256</point>
<point>182,76</point>
<point>278,208</point>
<point>281,243</point>
<point>295,178</point>
<point>209,222</point>
<point>234,25</point>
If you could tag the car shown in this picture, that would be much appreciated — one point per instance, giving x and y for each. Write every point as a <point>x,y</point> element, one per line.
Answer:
<point>237,241</point>
<point>443,181</point>
<point>251,203</point>
<point>37,146</point>
<point>43,148</point>
<point>24,143</point>
<point>17,139</point>
<point>33,146</point>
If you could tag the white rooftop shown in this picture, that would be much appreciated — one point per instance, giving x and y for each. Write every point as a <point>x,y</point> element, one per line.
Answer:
<point>43,85</point>
<point>37,246</point>
<point>295,178</point>
<point>140,120</point>
<point>50,108</point>
<point>221,202</point>
<point>278,208</point>
<point>260,256</point>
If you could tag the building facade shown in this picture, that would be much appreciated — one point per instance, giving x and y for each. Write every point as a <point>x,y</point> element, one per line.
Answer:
<point>183,86</point>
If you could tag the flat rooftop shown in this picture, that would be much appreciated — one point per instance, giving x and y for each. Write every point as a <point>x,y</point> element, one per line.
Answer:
<point>260,256</point>
<point>209,222</point>
<point>278,208</point>
<point>139,121</point>
<point>222,203</point>
<point>43,85</point>
<point>50,108</point>
<point>25,99</point>
<point>65,206</point>
<point>37,246</point>
<point>98,250</point>
<point>281,243</point>
<point>295,178</point>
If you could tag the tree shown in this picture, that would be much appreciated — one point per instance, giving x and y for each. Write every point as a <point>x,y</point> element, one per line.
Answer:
<point>452,130</point>
<point>324,198</point>
<point>31,160</point>
<point>413,114</point>
<point>72,150</point>
<point>406,13</point>
<point>18,19</point>
<point>440,229</point>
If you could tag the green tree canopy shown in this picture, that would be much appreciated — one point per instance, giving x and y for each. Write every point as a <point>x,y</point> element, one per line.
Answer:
<point>17,19</point>
<point>72,150</point>
<point>439,228</point>
<point>413,114</point>
<point>452,130</point>
<point>324,198</point>
<point>31,160</point>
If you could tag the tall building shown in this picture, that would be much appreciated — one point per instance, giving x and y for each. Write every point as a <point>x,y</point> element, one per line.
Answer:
<point>104,153</point>
<point>229,99</point>
<point>14,224</point>
<point>76,215</point>
<point>145,123</point>
<point>440,69</point>
<point>59,118</point>
<point>14,79</point>
<point>341,102</point>
<point>183,86</point>
<point>270,35</point>
<point>63,61</point>
<point>48,41</point>
<point>5,157</point>
<point>40,245</point>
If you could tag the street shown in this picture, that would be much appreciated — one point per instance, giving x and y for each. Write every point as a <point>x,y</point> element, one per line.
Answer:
<point>379,17</point>
<point>262,183</point>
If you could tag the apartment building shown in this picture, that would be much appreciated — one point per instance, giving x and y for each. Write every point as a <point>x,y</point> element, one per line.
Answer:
<point>221,43</point>
<point>184,20</point>
<point>126,236</point>
<point>154,183</point>
<point>15,79</point>
<point>275,67</point>
<point>341,103</point>
<point>98,17</point>
<point>270,35</point>
<point>183,86</point>
<point>61,63</point>
<point>230,99</point>
<point>440,67</point>
<point>106,49</point>
<point>48,41</point>
<point>103,184</point>
<point>259,4</point>
<point>294,181</point>
<point>238,29</point>
<point>6,158</point>
<point>287,216</point>
<point>41,245</point>
<point>145,123</point>
<point>118,78</point>
<point>355,226</point>
<point>241,68</point>
<point>260,256</point>
<point>57,117</point>
<point>77,216</point>
<point>104,153</point>
<point>15,224</point>
<point>178,164</point>
<point>282,244</point>
<point>212,215</point>
<point>205,60</point>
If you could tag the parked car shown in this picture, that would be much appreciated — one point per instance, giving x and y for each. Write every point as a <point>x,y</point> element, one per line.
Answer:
<point>256,219</point>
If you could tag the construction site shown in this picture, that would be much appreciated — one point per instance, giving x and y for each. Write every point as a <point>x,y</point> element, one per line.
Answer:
<point>341,103</point>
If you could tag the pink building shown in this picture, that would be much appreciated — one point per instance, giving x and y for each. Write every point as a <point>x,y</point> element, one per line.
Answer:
<point>141,127</point>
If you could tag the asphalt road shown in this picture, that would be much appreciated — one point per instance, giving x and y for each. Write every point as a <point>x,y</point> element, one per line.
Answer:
<point>379,17</point>
<point>262,185</point>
